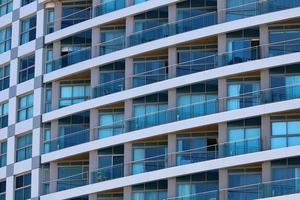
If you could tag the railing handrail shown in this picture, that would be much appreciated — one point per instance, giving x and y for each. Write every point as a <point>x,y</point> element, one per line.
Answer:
<point>177,107</point>
<point>115,39</point>
<point>197,59</point>
<point>236,188</point>
<point>153,157</point>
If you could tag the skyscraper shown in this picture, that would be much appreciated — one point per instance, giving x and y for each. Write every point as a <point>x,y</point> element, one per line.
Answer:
<point>149,99</point>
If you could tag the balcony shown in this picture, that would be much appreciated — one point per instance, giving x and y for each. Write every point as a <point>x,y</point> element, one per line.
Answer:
<point>160,162</point>
<point>195,66</point>
<point>205,108</point>
<point>167,30</point>
<point>88,13</point>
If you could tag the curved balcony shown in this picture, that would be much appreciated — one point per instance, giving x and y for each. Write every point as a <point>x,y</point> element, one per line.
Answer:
<point>262,190</point>
<point>167,30</point>
<point>205,108</point>
<point>88,13</point>
<point>197,65</point>
<point>162,161</point>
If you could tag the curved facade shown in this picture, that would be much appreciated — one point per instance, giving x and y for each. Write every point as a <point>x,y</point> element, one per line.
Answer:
<point>149,99</point>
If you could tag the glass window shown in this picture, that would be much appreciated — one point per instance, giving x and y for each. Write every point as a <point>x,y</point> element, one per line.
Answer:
<point>151,19</point>
<point>5,39</point>
<point>107,6</point>
<point>26,68</point>
<point>192,59</point>
<point>3,155</point>
<point>74,12</point>
<point>2,189</point>
<point>4,76</point>
<point>28,30</point>
<point>148,111</point>
<point>197,100</point>
<point>24,147</point>
<point>111,122</point>
<point>149,156</point>
<point>112,39</point>
<point>238,9</point>
<point>111,79</point>
<point>25,2</point>
<point>243,177</point>
<point>243,137</point>
<point>242,46</point>
<point>196,147</point>
<point>111,163</point>
<point>72,174</point>
<point>285,133</point>
<point>3,115</point>
<point>198,183</point>
<point>25,107</point>
<point>74,92</point>
<point>73,130</point>
<point>149,70</point>
<point>243,93</point>
<point>5,7</point>
<point>48,97</point>
<point>50,20</point>
<point>156,190</point>
<point>288,34</point>
<point>23,187</point>
<point>191,8</point>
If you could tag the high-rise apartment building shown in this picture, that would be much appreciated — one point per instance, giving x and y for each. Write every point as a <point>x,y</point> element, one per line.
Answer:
<point>149,99</point>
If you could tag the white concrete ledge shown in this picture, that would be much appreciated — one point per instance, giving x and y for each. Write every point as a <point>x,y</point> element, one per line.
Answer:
<point>173,40</point>
<point>172,127</point>
<point>177,171</point>
<point>173,83</point>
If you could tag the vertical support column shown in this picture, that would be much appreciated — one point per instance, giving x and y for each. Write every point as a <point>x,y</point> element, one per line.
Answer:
<point>129,61</point>
<point>127,159</point>
<point>93,164</point>
<point>222,93</point>
<point>222,83</point>
<point>54,129</point>
<point>95,41</point>
<point>55,95</point>
<point>266,171</point>
<point>172,147</point>
<point>264,40</point>
<point>94,122</point>
<point>172,60</point>
<point>221,6</point>
<point>172,187</point>
<point>128,73</point>
<point>223,175</point>
<point>53,176</point>
<point>223,184</point>
<point>10,193</point>
<point>266,132</point>
<point>127,193</point>
<point>58,15</point>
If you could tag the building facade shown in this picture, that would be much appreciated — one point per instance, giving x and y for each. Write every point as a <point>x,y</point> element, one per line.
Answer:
<point>149,99</point>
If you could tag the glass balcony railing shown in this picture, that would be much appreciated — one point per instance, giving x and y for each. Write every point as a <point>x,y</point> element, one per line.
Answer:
<point>167,30</point>
<point>190,111</point>
<point>253,191</point>
<point>106,6</point>
<point>197,65</point>
<point>68,140</point>
<point>163,161</point>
